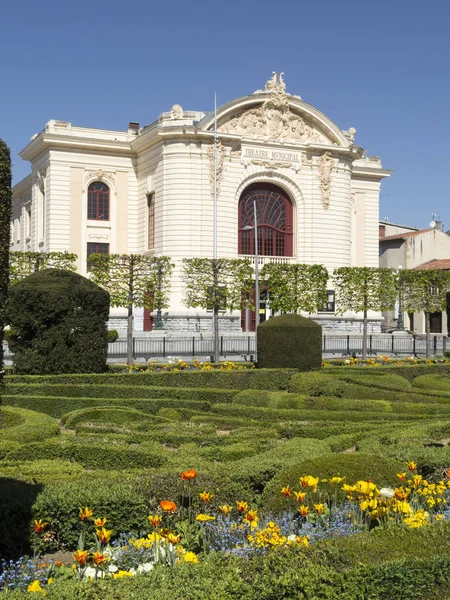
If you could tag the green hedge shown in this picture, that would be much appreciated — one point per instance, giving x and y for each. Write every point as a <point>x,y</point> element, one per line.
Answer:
<point>289,341</point>
<point>433,382</point>
<point>256,471</point>
<point>326,384</point>
<point>91,456</point>
<point>409,372</point>
<point>58,406</point>
<point>33,426</point>
<point>353,467</point>
<point>122,417</point>
<point>59,504</point>
<point>265,415</point>
<point>97,390</point>
<point>264,379</point>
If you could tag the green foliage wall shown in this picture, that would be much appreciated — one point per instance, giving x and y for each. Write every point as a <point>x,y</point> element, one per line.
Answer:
<point>289,341</point>
<point>5,218</point>
<point>58,324</point>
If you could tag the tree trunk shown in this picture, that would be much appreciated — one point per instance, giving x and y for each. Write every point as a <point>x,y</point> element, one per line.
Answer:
<point>216,335</point>
<point>130,335</point>
<point>364,340</point>
<point>427,334</point>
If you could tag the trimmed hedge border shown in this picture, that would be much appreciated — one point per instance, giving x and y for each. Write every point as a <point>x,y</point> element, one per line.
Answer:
<point>33,426</point>
<point>98,390</point>
<point>57,406</point>
<point>92,456</point>
<point>264,379</point>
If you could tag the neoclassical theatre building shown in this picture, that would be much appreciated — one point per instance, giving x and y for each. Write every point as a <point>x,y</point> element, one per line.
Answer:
<point>150,190</point>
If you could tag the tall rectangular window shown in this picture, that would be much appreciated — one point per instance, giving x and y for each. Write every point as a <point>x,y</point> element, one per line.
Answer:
<point>150,221</point>
<point>96,248</point>
<point>28,222</point>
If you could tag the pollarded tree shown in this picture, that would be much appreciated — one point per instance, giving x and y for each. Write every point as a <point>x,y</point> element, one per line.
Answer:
<point>361,289</point>
<point>217,284</point>
<point>425,291</point>
<point>22,264</point>
<point>294,288</point>
<point>5,220</point>
<point>133,280</point>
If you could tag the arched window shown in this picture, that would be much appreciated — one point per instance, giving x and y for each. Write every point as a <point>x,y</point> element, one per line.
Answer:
<point>274,221</point>
<point>98,201</point>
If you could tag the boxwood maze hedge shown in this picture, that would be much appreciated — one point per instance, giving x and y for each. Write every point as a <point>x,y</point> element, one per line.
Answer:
<point>120,441</point>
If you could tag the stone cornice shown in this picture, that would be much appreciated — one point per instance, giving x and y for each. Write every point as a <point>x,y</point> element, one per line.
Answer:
<point>370,172</point>
<point>45,141</point>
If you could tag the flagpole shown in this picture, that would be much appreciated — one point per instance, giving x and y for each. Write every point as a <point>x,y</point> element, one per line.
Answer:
<point>215,180</point>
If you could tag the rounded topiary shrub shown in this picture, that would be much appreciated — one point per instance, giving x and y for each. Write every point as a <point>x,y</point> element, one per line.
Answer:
<point>58,323</point>
<point>289,341</point>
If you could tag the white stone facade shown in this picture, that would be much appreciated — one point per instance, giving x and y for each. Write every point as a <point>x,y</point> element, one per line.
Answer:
<point>267,137</point>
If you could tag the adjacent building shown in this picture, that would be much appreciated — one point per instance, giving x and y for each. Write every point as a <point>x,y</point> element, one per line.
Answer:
<point>404,247</point>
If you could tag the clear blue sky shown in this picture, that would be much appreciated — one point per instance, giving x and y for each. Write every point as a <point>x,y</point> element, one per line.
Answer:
<point>380,66</point>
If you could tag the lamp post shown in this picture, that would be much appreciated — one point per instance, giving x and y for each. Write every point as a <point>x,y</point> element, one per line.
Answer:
<point>159,323</point>
<point>400,325</point>
<point>249,228</point>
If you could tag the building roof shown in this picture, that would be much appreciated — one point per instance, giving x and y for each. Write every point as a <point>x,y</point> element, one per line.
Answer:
<point>441,264</point>
<point>402,236</point>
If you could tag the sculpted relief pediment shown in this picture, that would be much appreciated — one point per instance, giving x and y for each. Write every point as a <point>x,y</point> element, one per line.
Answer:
<point>273,120</point>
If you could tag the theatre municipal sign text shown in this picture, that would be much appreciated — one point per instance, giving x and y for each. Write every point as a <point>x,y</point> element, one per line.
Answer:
<point>271,158</point>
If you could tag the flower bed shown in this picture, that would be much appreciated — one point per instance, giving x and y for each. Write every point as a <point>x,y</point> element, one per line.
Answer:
<point>319,509</point>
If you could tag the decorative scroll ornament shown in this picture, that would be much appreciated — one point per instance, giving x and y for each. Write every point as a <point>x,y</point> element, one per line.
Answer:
<point>325,164</point>
<point>273,120</point>
<point>219,164</point>
<point>100,174</point>
<point>40,179</point>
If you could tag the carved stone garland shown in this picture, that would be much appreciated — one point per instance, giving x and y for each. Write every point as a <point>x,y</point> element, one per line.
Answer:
<point>219,165</point>
<point>100,174</point>
<point>325,164</point>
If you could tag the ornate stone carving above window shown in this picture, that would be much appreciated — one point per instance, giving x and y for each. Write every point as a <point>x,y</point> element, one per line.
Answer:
<point>273,120</point>
<point>101,175</point>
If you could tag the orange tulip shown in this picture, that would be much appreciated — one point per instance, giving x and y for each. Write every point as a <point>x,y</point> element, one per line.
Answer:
<point>100,522</point>
<point>241,506</point>
<point>81,557</point>
<point>173,539</point>
<point>86,514</point>
<point>412,465</point>
<point>251,516</point>
<point>225,509</point>
<point>401,476</point>
<point>303,510</point>
<point>103,535</point>
<point>206,497</point>
<point>168,506</point>
<point>154,520</point>
<point>40,525</point>
<point>188,475</point>
<point>300,496</point>
<point>99,558</point>
<point>286,491</point>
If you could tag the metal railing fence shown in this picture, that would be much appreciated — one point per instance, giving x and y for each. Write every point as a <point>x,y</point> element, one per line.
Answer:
<point>245,346</point>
